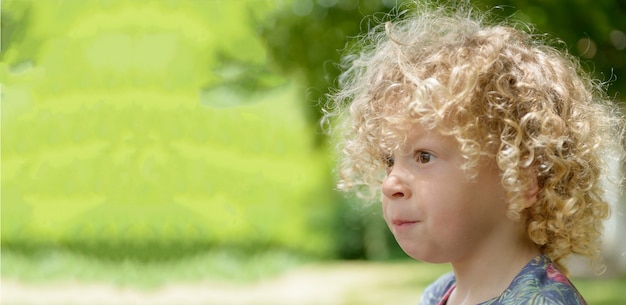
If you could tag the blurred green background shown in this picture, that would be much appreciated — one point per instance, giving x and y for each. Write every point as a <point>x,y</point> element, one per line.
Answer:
<point>181,137</point>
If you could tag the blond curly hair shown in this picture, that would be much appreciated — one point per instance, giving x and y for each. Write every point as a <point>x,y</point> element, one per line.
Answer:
<point>502,92</point>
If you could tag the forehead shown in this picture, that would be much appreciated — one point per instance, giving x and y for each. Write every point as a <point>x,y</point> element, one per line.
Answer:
<point>420,136</point>
<point>421,133</point>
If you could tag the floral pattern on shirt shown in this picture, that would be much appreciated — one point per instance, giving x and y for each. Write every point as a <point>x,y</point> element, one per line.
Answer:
<point>540,282</point>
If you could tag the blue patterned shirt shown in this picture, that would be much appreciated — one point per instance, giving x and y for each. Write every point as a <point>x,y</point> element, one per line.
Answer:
<point>539,283</point>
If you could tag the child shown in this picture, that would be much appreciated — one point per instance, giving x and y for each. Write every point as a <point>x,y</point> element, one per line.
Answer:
<point>487,148</point>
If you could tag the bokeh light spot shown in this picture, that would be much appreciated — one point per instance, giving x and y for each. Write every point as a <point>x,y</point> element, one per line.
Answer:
<point>586,48</point>
<point>302,7</point>
<point>618,38</point>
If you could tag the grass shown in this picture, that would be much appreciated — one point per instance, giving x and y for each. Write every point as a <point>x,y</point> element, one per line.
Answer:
<point>224,265</point>
<point>602,291</point>
<point>270,274</point>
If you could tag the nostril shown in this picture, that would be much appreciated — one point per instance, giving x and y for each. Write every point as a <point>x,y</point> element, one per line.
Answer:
<point>398,195</point>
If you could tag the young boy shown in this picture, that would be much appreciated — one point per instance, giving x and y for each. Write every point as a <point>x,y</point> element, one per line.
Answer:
<point>486,145</point>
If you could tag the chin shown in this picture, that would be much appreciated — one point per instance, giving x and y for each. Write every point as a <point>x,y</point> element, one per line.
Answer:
<point>424,256</point>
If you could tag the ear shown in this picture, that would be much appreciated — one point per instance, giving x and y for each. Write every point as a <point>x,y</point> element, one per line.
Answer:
<point>532,187</point>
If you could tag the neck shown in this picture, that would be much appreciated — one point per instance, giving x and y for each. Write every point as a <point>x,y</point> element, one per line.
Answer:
<point>486,273</point>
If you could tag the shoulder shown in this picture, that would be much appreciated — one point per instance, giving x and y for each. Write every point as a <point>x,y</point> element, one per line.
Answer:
<point>436,290</point>
<point>541,282</point>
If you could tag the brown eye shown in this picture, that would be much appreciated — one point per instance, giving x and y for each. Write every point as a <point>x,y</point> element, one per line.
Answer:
<point>389,161</point>
<point>423,157</point>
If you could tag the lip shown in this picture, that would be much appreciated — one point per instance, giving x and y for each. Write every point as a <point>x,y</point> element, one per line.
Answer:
<point>402,223</point>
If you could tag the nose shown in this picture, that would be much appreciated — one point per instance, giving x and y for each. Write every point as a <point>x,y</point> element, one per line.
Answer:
<point>395,186</point>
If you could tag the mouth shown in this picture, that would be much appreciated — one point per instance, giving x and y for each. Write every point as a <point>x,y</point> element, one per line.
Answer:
<point>399,223</point>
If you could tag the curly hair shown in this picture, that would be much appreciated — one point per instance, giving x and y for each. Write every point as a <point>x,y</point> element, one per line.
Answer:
<point>502,92</point>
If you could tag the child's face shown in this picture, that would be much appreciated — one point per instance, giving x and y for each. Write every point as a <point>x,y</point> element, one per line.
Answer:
<point>435,212</point>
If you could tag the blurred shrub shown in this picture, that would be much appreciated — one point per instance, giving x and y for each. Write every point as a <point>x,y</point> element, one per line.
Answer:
<point>117,144</point>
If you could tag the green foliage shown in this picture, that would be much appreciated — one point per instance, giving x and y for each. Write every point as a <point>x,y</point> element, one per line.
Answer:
<point>100,172</point>
<point>304,39</point>
<point>595,31</point>
<point>115,145</point>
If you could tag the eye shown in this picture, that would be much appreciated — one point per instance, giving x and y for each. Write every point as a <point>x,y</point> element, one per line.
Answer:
<point>423,157</point>
<point>389,161</point>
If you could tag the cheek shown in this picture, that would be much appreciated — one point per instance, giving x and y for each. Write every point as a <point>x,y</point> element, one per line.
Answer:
<point>452,207</point>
